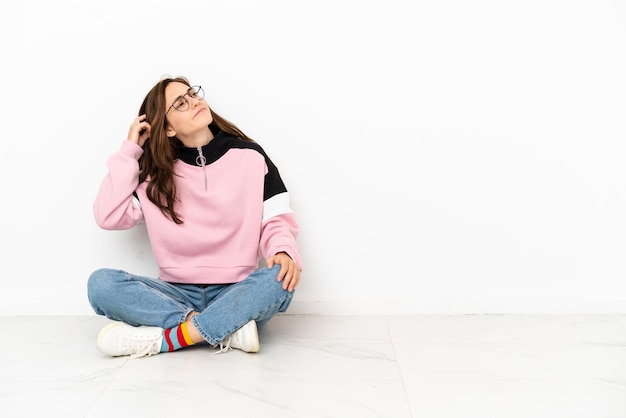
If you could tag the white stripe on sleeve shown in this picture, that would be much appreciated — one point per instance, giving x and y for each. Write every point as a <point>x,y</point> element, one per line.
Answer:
<point>276,205</point>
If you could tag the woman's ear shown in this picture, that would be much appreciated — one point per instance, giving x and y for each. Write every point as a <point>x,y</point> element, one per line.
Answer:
<point>170,132</point>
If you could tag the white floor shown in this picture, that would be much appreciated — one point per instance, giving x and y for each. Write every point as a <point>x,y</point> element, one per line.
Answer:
<point>328,366</point>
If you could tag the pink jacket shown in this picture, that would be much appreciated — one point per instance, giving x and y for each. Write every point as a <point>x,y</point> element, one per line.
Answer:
<point>233,203</point>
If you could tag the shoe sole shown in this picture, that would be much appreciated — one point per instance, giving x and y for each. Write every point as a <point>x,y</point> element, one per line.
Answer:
<point>105,331</point>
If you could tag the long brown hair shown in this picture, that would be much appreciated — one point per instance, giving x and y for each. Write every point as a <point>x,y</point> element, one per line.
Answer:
<point>156,165</point>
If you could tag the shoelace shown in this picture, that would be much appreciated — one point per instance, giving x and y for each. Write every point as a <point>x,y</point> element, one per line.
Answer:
<point>224,347</point>
<point>147,349</point>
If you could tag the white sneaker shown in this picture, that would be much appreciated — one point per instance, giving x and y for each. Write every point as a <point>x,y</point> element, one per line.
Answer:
<point>245,338</point>
<point>121,339</point>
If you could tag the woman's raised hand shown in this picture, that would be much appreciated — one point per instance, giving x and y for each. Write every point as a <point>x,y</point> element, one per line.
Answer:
<point>139,131</point>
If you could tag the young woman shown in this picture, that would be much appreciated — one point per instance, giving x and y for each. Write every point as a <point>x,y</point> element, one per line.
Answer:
<point>213,204</point>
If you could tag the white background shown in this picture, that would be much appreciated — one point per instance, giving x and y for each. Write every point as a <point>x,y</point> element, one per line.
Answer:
<point>442,156</point>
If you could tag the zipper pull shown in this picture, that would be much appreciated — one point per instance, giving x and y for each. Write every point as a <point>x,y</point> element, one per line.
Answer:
<point>201,161</point>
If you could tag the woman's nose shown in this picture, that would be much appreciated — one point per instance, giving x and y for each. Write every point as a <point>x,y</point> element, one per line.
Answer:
<point>194,101</point>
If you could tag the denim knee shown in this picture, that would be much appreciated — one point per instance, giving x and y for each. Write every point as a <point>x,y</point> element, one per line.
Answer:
<point>98,284</point>
<point>282,296</point>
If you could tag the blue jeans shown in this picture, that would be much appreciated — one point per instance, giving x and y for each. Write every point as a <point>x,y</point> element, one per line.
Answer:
<point>222,308</point>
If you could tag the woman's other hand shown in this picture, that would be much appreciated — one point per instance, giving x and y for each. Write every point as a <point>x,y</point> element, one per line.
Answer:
<point>289,272</point>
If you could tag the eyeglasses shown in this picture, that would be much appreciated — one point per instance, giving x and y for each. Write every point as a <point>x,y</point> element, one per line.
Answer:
<point>182,104</point>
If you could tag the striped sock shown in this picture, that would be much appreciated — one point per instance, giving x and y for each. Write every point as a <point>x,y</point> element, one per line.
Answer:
<point>176,338</point>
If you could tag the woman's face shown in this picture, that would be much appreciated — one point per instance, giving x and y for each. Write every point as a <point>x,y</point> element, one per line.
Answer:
<point>196,118</point>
